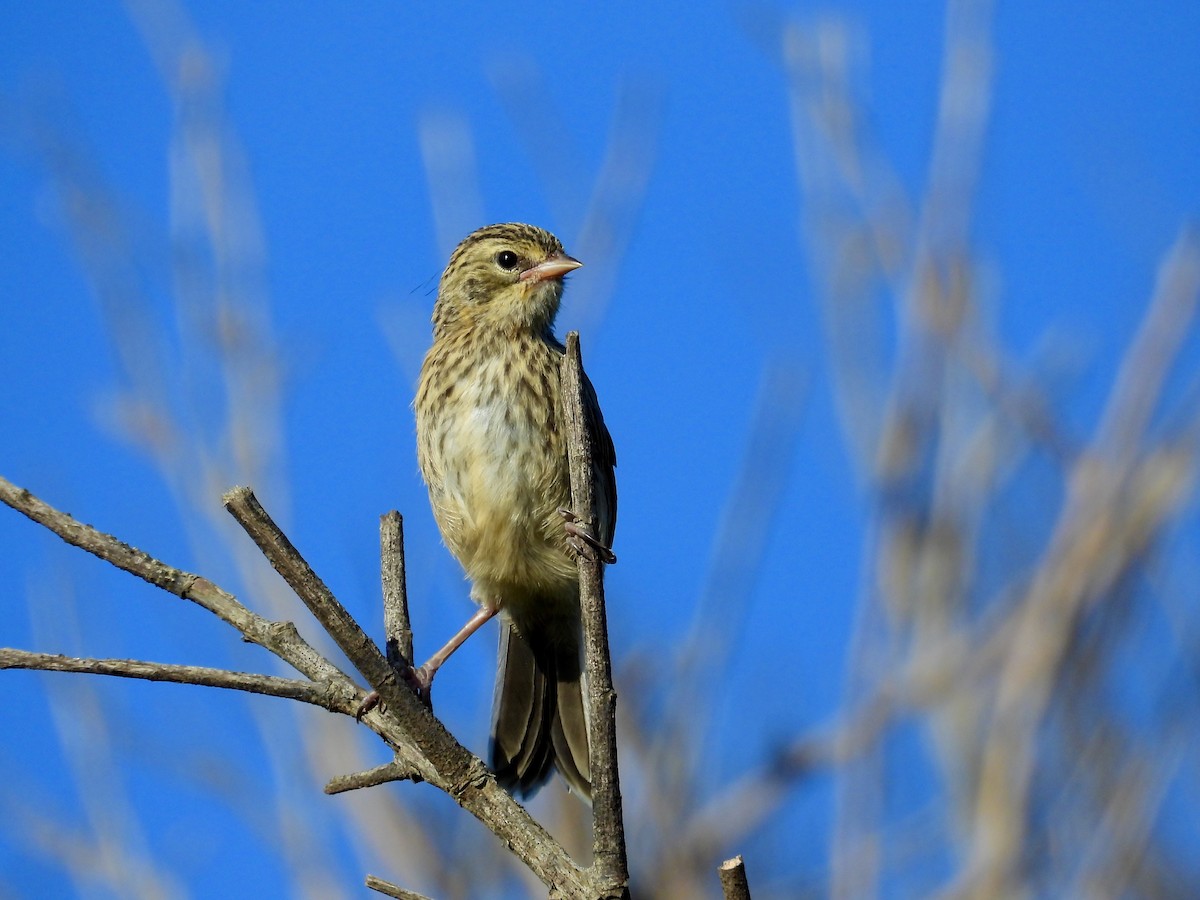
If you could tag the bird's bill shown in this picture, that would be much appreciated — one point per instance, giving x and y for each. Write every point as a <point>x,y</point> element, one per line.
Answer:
<point>554,267</point>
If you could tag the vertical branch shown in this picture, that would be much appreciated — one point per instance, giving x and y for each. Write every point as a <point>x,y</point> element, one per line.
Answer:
<point>397,630</point>
<point>734,885</point>
<point>608,828</point>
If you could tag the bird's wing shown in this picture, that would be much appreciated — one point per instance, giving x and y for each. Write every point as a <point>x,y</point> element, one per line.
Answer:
<point>604,461</point>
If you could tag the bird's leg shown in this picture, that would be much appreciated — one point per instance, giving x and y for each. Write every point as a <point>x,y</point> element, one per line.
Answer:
<point>581,539</point>
<point>421,678</point>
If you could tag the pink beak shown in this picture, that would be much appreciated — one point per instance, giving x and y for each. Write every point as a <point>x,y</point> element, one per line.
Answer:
<point>555,267</point>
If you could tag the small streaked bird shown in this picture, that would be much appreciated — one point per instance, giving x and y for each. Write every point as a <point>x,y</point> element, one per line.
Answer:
<point>491,443</point>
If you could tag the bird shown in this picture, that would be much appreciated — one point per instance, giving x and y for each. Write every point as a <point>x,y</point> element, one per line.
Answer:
<point>492,450</point>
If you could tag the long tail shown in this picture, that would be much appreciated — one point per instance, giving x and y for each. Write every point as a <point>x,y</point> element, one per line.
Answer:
<point>538,719</point>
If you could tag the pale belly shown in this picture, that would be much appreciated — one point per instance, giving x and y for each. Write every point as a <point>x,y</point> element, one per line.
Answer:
<point>496,496</point>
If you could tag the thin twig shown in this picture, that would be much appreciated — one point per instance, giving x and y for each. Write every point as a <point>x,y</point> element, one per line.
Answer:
<point>397,770</point>
<point>734,885</point>
<point>275,546</point>
<point>608,829</point>
<point>449,765</point>
<point>436,756</point>
<point>390,890</point>
<point>397,629</point>
<point>281,638</point>
<point>335,695</point>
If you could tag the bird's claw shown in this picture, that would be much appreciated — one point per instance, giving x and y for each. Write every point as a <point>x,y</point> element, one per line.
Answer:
<point>420,680</point>
<point>582,541</point>
<point>369,702</point>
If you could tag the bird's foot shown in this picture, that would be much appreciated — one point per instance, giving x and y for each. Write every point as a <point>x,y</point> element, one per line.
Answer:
<point>420,679</point>
<point>369,703</point>
<point>583,541</point>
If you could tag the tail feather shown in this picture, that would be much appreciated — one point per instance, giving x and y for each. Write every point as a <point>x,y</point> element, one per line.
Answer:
<point>538,719</point>
<point>569,734</point>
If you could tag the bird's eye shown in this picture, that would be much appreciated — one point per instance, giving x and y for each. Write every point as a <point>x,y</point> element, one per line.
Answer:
<point>506,259</point>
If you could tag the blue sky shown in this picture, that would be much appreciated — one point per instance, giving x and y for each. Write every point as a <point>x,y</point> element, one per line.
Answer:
<point>1090,167</point>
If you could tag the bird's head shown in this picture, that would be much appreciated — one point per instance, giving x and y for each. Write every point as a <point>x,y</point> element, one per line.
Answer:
<point>507,277</point>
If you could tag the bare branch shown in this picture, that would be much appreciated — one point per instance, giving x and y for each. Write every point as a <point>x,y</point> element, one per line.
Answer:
<point>275,546</point>
<point>734,885</point>
<point>608,829</point>
<point>393,771</point>
<point>449,765</point>
<point>390,890</point>
<point>397,629</point>
<point>281,638</point>
<point>336,695</point>
<point>442,760</point>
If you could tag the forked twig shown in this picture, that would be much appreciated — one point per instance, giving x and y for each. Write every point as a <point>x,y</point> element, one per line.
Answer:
<point>425,750</point>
